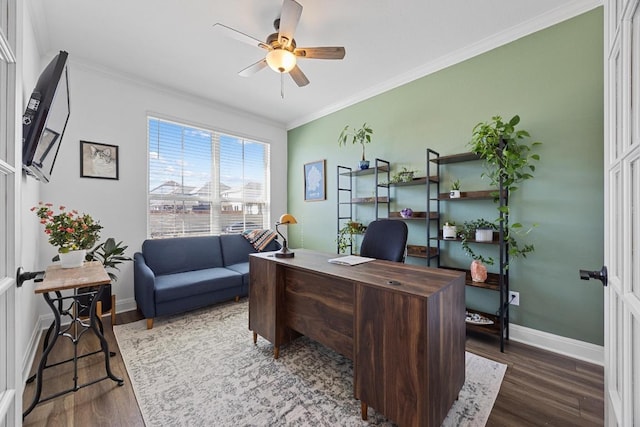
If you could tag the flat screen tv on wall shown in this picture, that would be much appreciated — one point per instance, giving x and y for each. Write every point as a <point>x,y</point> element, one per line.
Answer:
<point>45,119</point>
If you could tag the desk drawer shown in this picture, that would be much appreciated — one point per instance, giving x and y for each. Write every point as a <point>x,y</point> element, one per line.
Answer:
<point>321,308</point>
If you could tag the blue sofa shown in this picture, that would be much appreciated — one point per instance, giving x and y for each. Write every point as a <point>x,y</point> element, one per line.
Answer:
<point>184,273</point>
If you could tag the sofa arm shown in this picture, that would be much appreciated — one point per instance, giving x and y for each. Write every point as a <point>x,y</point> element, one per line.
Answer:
<point>144,286</point>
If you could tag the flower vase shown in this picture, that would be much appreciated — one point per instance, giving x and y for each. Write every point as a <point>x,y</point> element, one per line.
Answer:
<point>478,271</point>
<point>72,259</point>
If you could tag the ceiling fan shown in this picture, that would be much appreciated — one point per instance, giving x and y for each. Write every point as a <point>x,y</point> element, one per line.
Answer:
<point>282,52</point>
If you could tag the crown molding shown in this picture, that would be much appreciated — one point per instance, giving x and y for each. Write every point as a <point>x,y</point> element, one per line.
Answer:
<point>509,35</point>
<point>156,87</point>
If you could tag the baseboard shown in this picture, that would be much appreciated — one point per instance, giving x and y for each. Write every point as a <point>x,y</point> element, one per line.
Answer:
<point>557,344</point>
<point>32,346</point>
<point>124,305</point>
<point>43,323</point>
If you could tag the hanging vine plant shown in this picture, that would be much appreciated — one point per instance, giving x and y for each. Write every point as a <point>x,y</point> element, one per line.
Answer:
<point>508,159</point>
<point>468,232</point>
<point>347,234</point>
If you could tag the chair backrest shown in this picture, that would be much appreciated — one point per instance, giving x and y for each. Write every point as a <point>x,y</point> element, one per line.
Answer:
<point>385,239</point>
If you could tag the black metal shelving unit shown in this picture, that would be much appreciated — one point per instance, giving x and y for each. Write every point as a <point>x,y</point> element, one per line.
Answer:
<point>498,282</point>
<point>347,199</point>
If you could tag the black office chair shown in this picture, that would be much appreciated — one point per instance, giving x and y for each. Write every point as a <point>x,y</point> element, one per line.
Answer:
<point>385,239</point>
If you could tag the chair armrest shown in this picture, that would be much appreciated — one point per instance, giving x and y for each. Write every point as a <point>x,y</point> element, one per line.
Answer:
<point>144,286</point>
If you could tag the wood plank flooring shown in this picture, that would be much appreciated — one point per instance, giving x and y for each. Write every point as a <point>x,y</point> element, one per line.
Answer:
<point>539,389</point>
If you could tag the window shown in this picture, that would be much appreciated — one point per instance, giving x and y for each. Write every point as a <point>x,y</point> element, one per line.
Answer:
<point>205,182</point>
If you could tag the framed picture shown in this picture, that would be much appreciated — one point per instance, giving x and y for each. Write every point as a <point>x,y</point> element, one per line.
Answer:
<point>314,181</point>
<point>98,160</point>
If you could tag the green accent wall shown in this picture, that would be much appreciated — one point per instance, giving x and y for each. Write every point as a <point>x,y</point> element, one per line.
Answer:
<point>553,79</point>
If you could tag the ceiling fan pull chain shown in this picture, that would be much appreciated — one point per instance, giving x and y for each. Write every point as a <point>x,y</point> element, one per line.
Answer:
<point>282,85</point>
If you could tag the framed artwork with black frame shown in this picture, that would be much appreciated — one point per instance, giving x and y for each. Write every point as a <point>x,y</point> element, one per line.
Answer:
<point>98,160</point>
<point>315,184</point>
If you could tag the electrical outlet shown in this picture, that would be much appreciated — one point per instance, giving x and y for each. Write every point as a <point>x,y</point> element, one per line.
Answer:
<point>514,297</point>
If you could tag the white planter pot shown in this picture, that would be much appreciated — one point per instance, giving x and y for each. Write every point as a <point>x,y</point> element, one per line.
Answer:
<point>72,259</point>
<point>484,235</point>
<point>449,231</point>
<point>454,194</point>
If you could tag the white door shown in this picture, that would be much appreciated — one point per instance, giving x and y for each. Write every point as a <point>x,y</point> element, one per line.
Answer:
<point>622,212</point>
<point>9,407</point>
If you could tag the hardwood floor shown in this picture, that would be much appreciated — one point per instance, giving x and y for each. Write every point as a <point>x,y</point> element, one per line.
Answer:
<point>539,389</point>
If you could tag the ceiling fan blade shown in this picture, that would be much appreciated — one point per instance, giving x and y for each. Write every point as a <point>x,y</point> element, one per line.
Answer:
<point>253,68</point>
<point>289,17</point>
<point>298,76</point>
<point>237,35</point>
<point>335,52</point>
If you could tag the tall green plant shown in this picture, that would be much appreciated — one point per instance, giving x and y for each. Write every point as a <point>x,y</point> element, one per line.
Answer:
<point>360,136</point>
<point>506,155</point>
<point>508,160</point>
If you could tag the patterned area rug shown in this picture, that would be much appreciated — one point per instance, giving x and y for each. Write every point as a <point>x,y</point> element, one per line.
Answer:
<point>202,369</point>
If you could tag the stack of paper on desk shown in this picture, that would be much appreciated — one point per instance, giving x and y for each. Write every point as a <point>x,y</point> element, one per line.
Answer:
<point>350,260</point>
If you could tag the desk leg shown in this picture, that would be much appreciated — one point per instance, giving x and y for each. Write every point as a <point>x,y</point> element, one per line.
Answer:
<point>276,352</point>
<point>363,409</point>
<point>45,355</point>
<point>255,338</point>
<point>103,342</point>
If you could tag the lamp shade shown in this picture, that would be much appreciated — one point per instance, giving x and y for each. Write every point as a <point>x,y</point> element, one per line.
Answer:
<point>287,219</point>
<point>281,60</point>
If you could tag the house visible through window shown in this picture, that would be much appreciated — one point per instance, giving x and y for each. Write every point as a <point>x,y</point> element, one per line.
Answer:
<point>205,182</point>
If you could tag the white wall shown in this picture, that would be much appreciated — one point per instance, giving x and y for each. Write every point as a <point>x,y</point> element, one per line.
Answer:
<point>112,109</point>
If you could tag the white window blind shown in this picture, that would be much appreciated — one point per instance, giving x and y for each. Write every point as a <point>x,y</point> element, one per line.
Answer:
<point>205,182</point>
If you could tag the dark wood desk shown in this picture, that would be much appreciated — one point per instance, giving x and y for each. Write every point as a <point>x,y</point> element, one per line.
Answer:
<point>407,340</point>
<point>56,280</point>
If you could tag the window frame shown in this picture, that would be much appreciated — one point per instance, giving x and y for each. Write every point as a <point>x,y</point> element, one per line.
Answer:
<point>254,211</point>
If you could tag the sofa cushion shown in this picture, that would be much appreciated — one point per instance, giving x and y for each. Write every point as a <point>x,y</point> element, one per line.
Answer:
<point>241,268</point>
<point>180,254</point>
<point>181,285</point>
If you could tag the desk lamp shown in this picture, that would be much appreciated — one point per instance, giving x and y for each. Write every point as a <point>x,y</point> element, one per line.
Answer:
<point>285,219</point>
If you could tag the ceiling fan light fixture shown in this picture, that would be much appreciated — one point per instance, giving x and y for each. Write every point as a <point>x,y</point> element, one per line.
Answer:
<point>281,60</point>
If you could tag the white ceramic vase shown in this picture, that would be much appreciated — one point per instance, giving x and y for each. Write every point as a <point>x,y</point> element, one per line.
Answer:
<point>484,235</point>
<point>72,259</point>
<point>449,232</point>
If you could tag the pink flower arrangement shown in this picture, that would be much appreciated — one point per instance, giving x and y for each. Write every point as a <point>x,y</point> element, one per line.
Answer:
<point>68,230</point>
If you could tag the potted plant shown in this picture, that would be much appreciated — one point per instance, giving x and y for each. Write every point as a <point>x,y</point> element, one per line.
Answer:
<point>404,175</point>
<point>110,254</point>
<point>468,233</point>
<point>360,136</point>
<point>72,233</point>
<point>508,161</point>
<point>455,189</point>
<point>346,233</point>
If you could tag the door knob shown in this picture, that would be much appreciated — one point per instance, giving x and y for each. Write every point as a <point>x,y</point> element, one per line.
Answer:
<point>600,275</point>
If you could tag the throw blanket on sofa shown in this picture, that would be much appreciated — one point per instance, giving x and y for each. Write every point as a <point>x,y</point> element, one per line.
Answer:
<point>259,238</point>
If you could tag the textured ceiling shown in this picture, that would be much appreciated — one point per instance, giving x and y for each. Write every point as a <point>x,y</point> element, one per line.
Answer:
<point>172,43</point>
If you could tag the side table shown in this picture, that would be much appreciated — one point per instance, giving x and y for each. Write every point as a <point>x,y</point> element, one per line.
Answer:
<point>57,280</point>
